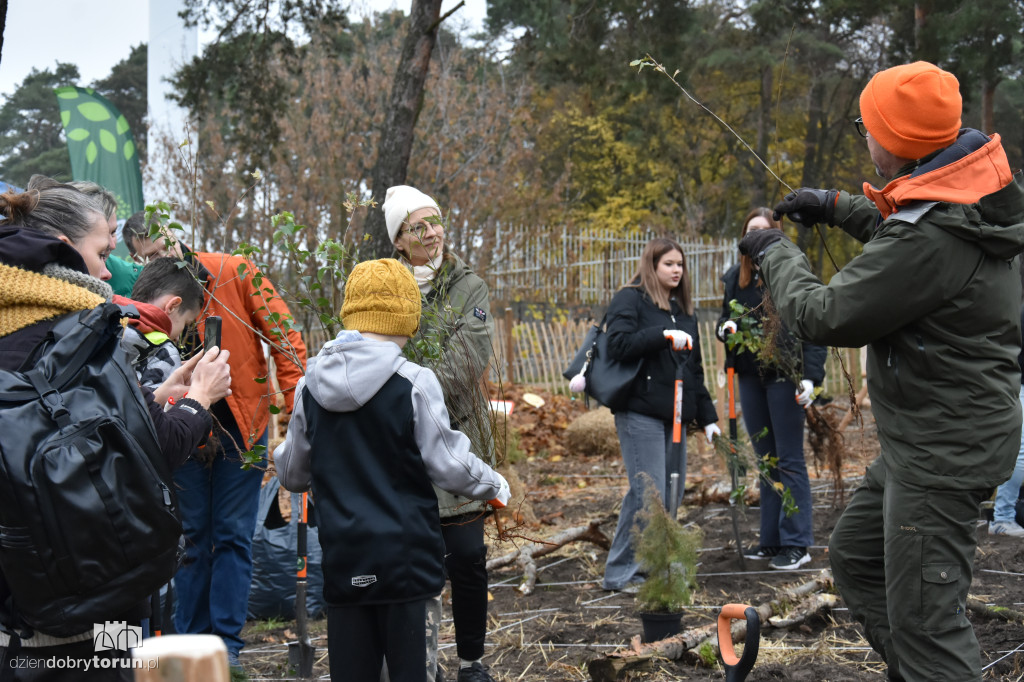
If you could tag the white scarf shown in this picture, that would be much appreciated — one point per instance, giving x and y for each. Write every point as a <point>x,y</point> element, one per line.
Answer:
<point>425,274</point>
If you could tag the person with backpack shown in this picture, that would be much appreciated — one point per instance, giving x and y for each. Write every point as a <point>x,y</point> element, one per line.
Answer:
<point>376,509</point>
<point>53,244</point>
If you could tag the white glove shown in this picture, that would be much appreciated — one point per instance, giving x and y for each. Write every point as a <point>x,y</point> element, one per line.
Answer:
<point>805,393</point>
<point>712,430</point>
<point>726,328</point>
<point>680,339</point>
<point>504,493</point>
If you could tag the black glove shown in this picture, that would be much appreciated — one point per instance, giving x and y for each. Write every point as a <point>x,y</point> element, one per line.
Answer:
<point>808,206</point>
<point>756,242</point>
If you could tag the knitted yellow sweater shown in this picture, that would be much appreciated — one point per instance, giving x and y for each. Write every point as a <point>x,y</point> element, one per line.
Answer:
<point>28,297</point>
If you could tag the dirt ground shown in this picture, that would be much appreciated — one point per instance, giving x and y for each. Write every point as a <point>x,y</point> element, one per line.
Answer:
<point>551,634</point>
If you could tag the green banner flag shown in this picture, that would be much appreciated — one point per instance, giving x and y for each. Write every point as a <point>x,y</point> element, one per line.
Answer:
<point>101,146</point>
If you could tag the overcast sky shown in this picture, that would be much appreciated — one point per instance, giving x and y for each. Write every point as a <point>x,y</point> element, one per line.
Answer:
<point>96,34</point>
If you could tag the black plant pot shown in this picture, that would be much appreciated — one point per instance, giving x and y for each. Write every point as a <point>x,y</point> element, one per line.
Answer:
<point>659,625</point>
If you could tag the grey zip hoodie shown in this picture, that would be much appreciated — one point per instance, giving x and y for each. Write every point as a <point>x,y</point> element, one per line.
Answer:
<point>343,377</point>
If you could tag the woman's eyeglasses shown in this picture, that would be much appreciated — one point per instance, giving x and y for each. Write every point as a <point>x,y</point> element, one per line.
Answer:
<point>421,228</point>
<point>861,130</point>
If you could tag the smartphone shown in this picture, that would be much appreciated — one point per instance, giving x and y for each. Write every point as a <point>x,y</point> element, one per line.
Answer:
<point>211,333</point>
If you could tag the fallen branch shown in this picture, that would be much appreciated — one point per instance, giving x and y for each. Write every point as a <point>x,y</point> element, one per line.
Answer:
<point>527,555</point>
<point>606,668</point>
<point>988,612</point>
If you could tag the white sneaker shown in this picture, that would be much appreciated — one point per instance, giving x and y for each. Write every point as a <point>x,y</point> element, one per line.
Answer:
<point>1010,528</point>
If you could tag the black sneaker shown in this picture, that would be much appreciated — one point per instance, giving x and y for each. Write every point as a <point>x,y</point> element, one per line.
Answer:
<point>757,552</point>
<point>790,558</point>
<point>475,673</point>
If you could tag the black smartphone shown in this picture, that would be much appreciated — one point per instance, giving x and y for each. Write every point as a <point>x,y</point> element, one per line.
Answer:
<point>211,333</point>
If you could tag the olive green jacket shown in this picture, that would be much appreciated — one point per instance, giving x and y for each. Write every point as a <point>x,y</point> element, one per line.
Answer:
<point>935,296</point>
<point>454,341</point>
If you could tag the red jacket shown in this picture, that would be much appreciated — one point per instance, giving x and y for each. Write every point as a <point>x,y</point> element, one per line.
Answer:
<point>244,309</point>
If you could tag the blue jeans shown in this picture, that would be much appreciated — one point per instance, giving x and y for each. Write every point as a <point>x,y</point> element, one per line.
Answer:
<point>646,444</point>
<point>218,508</point>
<point>772,404</point>
<point>1007,493</point>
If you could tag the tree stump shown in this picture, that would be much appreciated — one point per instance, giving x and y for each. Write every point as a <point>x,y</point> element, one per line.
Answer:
<point>182,658</point>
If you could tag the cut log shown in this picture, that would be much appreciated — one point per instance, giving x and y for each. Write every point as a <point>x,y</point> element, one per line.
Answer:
<point>527,555</point>
<point>677,646</point>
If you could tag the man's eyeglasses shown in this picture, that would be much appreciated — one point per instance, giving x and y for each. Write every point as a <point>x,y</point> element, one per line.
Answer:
<point>861,130</point>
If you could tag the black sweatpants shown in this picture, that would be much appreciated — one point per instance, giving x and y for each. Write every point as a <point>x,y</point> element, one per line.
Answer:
<point>361,638</point>
<point>465,562</point>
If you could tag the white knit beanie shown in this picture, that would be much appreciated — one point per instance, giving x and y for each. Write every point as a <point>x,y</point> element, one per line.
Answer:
<point>399,202</point>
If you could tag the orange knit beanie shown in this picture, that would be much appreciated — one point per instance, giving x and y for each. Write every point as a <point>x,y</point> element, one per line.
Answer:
<point>913,109</point>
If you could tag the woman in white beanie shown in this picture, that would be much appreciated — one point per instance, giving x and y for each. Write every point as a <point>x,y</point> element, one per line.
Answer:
<point>456,318</point>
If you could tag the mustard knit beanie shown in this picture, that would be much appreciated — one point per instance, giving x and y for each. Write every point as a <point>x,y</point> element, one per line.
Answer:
<point>381,297</point>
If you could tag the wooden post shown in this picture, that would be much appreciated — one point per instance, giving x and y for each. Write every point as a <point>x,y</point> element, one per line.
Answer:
<point>510,363</point>
<point>182,658</point>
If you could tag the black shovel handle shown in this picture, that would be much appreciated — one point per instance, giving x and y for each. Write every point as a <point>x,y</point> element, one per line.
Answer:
<point>738,667</point>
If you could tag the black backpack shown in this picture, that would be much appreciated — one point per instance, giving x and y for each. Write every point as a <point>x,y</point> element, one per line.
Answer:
<point>88,526</point>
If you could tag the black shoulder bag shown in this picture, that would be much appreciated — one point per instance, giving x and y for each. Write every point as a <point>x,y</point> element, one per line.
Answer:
<point>605,379</point>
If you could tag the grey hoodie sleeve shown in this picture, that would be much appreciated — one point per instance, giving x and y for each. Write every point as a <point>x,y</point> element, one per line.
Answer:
<point>446,453</point>
<point>292,456</point>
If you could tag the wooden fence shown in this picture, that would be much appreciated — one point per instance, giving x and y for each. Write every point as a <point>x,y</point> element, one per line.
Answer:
<point>536,353</point>
<point>571,267</point>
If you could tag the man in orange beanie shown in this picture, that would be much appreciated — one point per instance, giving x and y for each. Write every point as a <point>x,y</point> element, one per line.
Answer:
<point>935,296</point>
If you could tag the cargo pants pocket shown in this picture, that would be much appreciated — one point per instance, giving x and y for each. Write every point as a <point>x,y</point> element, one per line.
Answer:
<point>940,608</point>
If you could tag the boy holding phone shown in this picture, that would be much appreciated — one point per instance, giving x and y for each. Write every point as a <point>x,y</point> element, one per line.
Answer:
<point>175,298</point>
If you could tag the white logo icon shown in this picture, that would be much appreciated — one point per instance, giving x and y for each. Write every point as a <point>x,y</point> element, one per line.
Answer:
<point>363,580</point>
<point>116,634</point>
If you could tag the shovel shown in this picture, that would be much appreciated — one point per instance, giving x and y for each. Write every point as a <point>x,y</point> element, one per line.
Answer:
<point>738,667</point>
<point>734,463</point>
<point>675,454</point>
<point>300,654</point>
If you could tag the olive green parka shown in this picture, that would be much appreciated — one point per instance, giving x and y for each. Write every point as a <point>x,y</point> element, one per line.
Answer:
<point>935,296</point>
<point>454,340</point>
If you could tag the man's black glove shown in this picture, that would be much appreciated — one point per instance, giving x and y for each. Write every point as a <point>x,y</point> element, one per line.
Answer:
<point>756,242</point>
<point>808,206</point>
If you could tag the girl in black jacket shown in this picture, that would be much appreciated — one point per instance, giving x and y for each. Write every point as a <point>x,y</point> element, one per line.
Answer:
<point>652,318</point>
<point>770,399</point>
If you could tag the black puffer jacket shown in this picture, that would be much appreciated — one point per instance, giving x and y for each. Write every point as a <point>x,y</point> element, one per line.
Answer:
<point>636,328</point>
<point>810,358</point>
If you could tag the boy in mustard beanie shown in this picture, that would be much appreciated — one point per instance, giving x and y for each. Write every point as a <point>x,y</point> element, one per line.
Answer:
<point>369,434</point>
